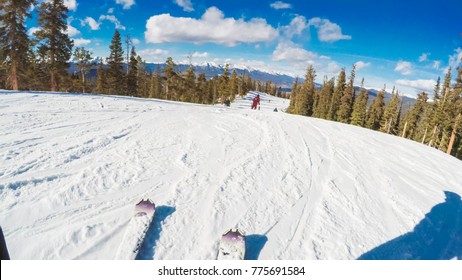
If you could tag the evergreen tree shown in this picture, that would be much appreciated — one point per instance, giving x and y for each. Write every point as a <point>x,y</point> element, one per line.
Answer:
<point>54,38</point>
<point>101,85</point>
<point>347,100</point>
<point>223,88</point>
<point>336,97</point>
<point>293,97</point>
<point>142,78</point>
<point>83,63</point>
<point>202,88</point>
<point>115,75</point>
<point>189,94</point>
<point>233,85</point>
<point>413,116</point>
<point>325,95</point>
<point>304,100</point>
<point>14,40</point>
<point>359,114</point>
<point>390,115</point>
<point>172,80</point>
<point>155,89</point>
<point>375,112</point>
<point>132,75</point>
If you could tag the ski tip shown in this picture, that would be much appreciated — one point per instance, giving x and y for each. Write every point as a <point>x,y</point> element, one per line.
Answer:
<point>234,232</point>
<point>145,204</point>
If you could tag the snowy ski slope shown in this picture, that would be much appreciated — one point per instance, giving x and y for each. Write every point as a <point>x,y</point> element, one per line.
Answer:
<point>72,167</point>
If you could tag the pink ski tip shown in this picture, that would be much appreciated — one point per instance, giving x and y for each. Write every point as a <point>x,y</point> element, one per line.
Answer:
<point>145,205</point>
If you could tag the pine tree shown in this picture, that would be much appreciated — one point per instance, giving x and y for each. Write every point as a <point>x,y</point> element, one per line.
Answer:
<point>233,85</point>
<point>325,95</point>
<point>347,100</point>
<point>142,78</point>
<point>101,85</point>
<point>54,39</point>
<point>359,114</point>
<point>223,88</point>
<point>293,97</point>
<point>13,38</point>
<point>336,97</point>
<point>202,88</point>
<point>132,75</point>
<point>390,115</point>
<point>83,63</point>
<point>413,116</point>
<point>172,80</point>
<point>189,94</point>
<point>375,112</point>
<point>115,75</point>
<point>305,100</point>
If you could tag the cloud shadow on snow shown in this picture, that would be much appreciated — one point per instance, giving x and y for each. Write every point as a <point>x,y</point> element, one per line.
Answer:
<point>254,243</point>
<point>153,234</point>
<point>437,237</point>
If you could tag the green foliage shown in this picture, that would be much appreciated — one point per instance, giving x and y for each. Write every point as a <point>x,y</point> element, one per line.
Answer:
<point>14,41</point>
<point>115,75</point>
<point>359,114</point>
<point>54,40</point>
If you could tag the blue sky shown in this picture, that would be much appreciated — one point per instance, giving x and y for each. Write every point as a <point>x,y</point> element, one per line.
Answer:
<point>406,44</point>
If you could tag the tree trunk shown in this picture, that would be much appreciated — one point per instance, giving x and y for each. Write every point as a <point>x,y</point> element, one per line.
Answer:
<point>404,130</point>
<point>14,76</point>
<point>453,135</point>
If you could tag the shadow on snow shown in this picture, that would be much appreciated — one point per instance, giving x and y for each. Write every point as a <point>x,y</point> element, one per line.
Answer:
<point>152,236</point>
<point>437,237</point>
<point>254,243</point>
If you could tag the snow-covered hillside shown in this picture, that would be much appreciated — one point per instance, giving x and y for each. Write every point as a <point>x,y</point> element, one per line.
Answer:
<point>73,166</point>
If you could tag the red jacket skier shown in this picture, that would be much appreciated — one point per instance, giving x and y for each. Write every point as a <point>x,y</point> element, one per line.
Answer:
<point>256,101</point>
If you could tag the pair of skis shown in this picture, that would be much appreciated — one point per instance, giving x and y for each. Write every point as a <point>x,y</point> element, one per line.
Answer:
<point>231,247</point>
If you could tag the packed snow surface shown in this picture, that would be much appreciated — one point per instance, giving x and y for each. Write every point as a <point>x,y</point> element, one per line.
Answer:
<point>73,166</point>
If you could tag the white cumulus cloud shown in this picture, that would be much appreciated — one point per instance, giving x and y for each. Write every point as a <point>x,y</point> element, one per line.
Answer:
<point>32,30</point>
<point>94,25</point>
<point>404,67</point>
<point>112,19</point>
<point>361,64</point>
<point>200,55</point>
<point>327,30</point>
<point>212,27</point>
<point>127,4</point>
<point>72,31</point>
<point>296,27</point>
<point>288,51</point>
<point>185,4</point>
<point>71,5</point>
<point>153,55</point>
<point>278,5</point>
<point>455,59</point>
<point>423,85</point>
<point>423,57</point>
<point>81,42</point>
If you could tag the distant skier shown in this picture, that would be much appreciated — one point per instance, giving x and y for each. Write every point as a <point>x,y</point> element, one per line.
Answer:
<point>227,102</point>
<point>275,110</point>
<point>256,101</point>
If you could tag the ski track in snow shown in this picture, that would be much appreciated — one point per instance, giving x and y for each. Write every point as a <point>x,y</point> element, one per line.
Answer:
<point>72,167</point>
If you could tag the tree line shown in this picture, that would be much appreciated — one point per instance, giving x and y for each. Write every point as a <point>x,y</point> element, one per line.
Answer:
<point>436,123</point>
